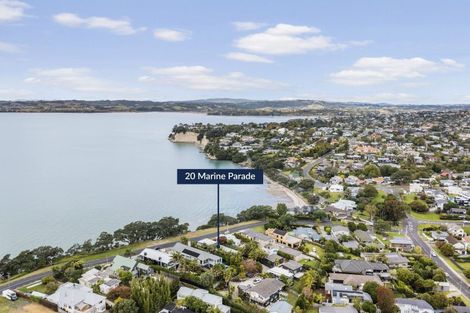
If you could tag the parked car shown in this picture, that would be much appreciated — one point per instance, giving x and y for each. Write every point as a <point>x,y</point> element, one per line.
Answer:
<point>9,294</point>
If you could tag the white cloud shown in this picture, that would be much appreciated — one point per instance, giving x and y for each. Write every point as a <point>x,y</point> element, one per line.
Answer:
<point>203,78</point>
<point>12,10</point>
<point>117,26</point>
<point>287,39</point>
<point>245,26</point>
<point>9,47</point>
<point>13,93</point>
<point>173,35</point>
<point>75,78</point>
<point>247,57</point>
<point>377,70</point>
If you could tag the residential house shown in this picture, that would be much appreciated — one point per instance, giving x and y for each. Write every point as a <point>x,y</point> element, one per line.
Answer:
<point>262,292</point>
<point>159,257</point>
<point>394,260</point>
<point>272,260</point>
<point>336,188</point>
<point>280,307</point>
<point>204,296</point>
<point>339,231</point>
<point>363,236</point>
<point>337,309</point>
<point>292,266</point>
<point>359,267</point>
<point>281,236</point>
<point>307,233</point>
<point>130,265</point>
<point>280,272</point>
<point>351,244</point>
<point>172,308</point>
<point>439,235</point>
<point>75,298</point>
<point>202,257</point>
<point>354,280</point>
<point>352,180</point>
<point>413,306</point>
<point>456,231</point>
<point>402,244</point>
<point>460,247</point>
<point>95,276</point>
<point>336,180</point>
<point>296,255</point>
<point>261,239</point>
<point>339,294</point>
<point>345,205</point>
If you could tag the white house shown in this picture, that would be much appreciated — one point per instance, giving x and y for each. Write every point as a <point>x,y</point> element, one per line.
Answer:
<point>204,258</point>
<point>413,306</point>
<point>344,205</point>
<point>74,298</point>
<point>94,276</point>
<point>456,231</point>
<point>203,295</point>
<point>416,188</point>
<point>159,257</point>
<point>336,188</point>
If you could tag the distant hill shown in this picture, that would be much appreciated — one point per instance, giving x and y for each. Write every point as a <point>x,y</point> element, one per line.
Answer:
<point>224,106</point>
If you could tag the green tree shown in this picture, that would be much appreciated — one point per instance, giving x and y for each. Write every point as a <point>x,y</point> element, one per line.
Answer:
<point>125,277</point>
<point>369,307</point>
<point>371,171</point>
<point>419,206</point>
<point>371,288</point>
<point>150,294</point>
<point>125,306</point>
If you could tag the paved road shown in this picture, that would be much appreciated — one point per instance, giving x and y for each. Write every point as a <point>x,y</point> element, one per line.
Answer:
<point>452,276</point>
<point>306,173</point>
<point>31,279</point>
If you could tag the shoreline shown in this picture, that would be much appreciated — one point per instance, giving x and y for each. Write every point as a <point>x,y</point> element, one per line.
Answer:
<point>273,187</point>
<point>277,189</point>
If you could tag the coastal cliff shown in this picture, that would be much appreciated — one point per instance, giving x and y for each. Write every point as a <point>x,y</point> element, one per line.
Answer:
<point>189,137</point>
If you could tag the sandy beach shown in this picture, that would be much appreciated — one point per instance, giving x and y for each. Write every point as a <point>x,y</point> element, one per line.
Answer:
<point>277,189</point>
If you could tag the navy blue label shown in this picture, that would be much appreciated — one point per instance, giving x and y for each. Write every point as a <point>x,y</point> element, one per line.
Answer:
<point>219,176</point>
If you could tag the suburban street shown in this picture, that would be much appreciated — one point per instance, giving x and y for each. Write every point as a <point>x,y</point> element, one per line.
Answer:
<point>34,278</point>
<point>411,226</point>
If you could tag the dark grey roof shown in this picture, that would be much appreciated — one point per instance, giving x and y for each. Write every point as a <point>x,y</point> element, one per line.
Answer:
<point>359,266</point>
<point>291,265</point>
<point>363,236</point>
<point>280,232</point>
<point>267,287</point>
<point>416,302</point>
<point>337,309</point>
<point>393,258</point>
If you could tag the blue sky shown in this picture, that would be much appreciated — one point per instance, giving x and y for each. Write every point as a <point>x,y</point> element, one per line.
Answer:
<point>373,51</point>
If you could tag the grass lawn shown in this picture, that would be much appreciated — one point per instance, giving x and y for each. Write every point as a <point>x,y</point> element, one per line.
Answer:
<point>258,229</point>
<point>39,288</point>
<point>409,197</point>
<point>379,198</point>
<point>317,248</point>
<point>17,306</point>
<point>426,216</point>
<point>334,196</point>
<point>466,229</point>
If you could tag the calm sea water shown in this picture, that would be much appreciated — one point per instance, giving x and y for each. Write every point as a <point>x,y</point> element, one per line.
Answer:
<point>64,178</point>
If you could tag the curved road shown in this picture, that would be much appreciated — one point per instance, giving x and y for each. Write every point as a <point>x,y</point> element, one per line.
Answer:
<point>453,277</point>
<point>34,278</point>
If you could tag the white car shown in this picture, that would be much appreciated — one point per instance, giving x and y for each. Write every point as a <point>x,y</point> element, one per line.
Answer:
<point>9,294</point>
<point>433,253</point>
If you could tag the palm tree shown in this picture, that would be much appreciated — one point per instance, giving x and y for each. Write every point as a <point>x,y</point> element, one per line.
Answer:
<point>179,259</point>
